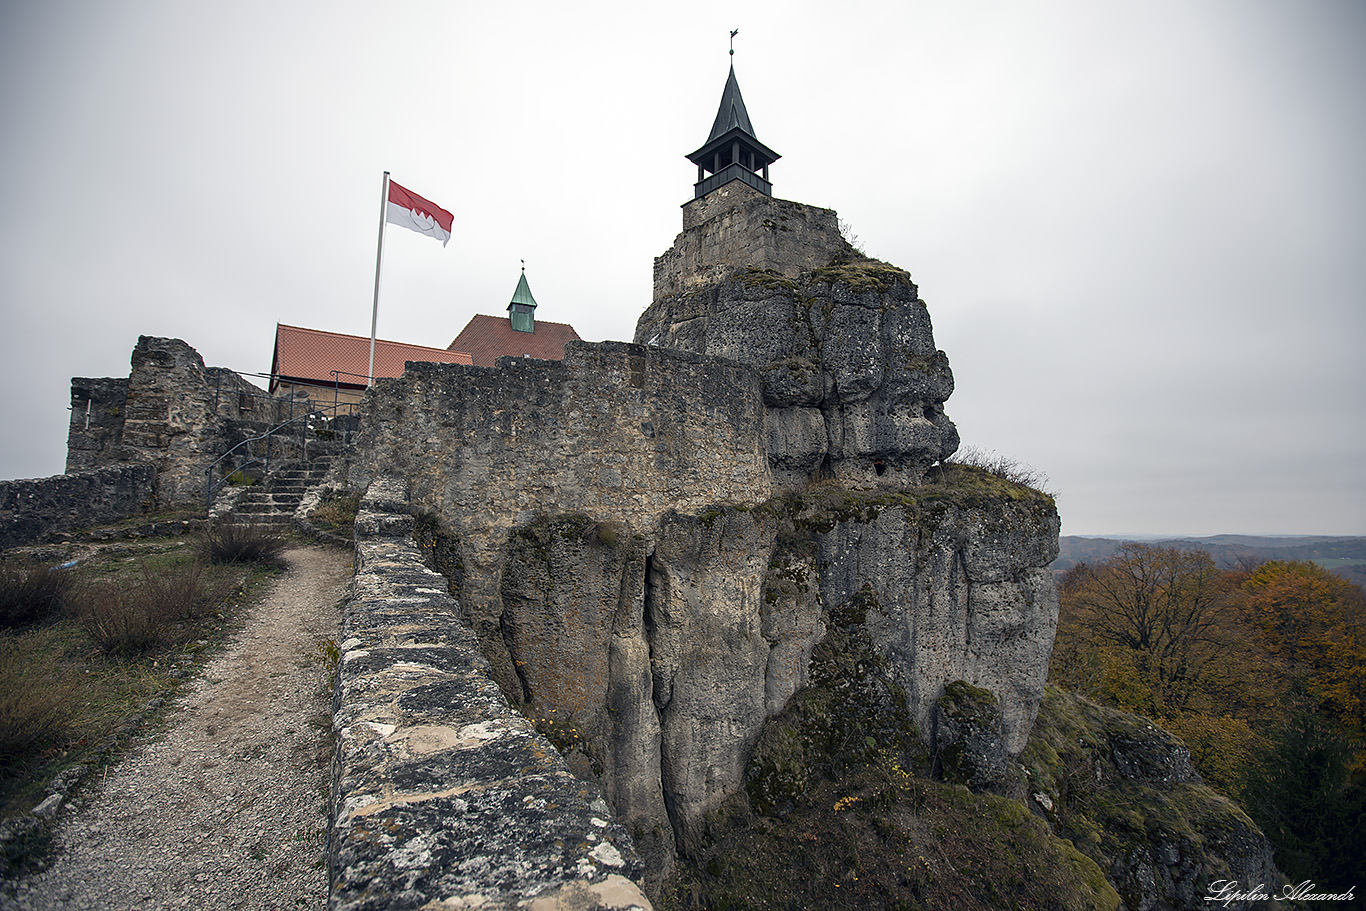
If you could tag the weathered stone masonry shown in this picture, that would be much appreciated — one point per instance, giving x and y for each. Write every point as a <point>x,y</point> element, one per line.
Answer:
<point>611,526</point>
<point>32,509</point>
<point>623,433</point>
<point>172,412</point>
<point>443,795</point>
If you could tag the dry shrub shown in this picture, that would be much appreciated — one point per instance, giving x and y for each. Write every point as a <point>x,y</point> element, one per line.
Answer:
<point>337,511</point>
<point>38,696</point>
<point>242,542</point>
<point>150,613</point>
<point>30,594</point>
<point>1002,466</point>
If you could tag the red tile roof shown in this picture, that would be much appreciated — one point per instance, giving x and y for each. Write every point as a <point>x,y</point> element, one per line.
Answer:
<point>309,355</point>
<point>489,337</point>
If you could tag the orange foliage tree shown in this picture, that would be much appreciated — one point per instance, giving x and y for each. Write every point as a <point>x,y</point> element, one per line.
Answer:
<point>1312,623</point>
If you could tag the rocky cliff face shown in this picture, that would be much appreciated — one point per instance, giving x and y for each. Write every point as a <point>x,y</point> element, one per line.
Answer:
<point>853,385</point>
<point>1126,794</point>
<point>650,539</point>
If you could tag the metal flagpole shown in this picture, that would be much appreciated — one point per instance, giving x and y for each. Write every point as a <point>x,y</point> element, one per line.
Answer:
<point>379,259</point>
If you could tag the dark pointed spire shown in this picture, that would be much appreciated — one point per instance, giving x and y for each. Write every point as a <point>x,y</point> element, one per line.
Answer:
<point>732,114</point>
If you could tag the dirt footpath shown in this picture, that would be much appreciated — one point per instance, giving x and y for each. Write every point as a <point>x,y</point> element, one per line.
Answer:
<point>227,808</point>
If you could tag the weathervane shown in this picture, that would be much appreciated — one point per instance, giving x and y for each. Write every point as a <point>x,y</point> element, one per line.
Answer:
<point>733,33</point>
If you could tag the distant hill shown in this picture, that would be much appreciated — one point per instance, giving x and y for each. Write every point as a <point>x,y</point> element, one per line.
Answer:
<point>1345,556</point>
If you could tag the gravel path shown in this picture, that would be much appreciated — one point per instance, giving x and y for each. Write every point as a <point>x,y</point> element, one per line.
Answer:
<point>227,809</point>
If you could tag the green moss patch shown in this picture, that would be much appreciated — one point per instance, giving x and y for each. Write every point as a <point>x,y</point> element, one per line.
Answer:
<point>881,837</point>
<point>822,506</point>
<point>862,276</point>
<point>767,279</point>
<point>1070,760</point>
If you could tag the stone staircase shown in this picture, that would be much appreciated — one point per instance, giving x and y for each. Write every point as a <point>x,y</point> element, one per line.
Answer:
<point>273,503</point>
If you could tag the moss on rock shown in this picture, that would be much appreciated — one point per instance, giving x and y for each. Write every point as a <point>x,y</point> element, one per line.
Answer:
<point>862,276</point>
<point>1122,790</point>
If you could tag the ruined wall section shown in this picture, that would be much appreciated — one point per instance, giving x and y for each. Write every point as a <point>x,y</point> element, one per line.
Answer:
<point>622,433</point>
<point>96,430</point>
<point>32,509</point>
<point>171,411</point>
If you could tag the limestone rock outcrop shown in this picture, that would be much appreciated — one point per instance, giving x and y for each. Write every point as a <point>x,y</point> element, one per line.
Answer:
<point>853,385</point>
<point>650,539</point>
<point>1126,793</point>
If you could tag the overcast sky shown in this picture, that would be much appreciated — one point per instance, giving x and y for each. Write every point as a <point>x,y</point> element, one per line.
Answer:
<point>1140,227</point>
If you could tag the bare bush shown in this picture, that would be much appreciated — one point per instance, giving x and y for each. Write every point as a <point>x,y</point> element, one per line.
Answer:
<point>31,593</point>
<point>148,614</point>
<point>337,511</point>
<point>242,542</point>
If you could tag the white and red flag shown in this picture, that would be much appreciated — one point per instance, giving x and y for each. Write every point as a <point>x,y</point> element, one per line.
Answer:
<point>409,210</point>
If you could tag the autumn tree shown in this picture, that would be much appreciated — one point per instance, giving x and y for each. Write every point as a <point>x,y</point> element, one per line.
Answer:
<point>1313,622</point>
<point>1152,619</point>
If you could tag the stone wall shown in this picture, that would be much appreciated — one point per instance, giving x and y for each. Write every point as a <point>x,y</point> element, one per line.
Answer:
<point>648,539</point>
<point>96,429</point>
<point>444,796</point>
<point>30,510</point>
<point>737,227</point>
<point>171,411</point>
<point>622,432</point>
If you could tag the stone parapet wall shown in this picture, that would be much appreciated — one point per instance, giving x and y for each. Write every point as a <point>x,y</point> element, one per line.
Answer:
<point>624,432</point>
<point>32,509</point>
<point>737,227</point>
<point>444,796</point>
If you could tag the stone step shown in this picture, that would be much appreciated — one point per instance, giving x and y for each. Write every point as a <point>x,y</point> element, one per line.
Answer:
<point>268,505</point>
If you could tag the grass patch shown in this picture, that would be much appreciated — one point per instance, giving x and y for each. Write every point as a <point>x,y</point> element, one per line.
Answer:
<point>156,611</point>
<point>862,276</point>
<point>1003,467</point>
<point>39,696</point>
<point>882,838</point>
<point>336,512</point>
<point>75,690</point>
<point>823,505</point>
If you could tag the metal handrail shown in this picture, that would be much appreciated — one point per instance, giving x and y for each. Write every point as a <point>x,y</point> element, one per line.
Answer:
<point>210,486</point>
